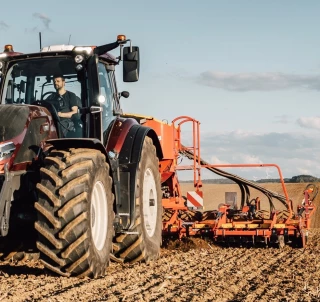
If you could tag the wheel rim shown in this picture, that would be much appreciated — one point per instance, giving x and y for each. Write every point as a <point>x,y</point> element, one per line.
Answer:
<point>99,215</point>
<point>149,202</point>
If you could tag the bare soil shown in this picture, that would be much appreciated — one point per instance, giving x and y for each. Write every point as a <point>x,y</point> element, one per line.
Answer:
<point>186,271</point>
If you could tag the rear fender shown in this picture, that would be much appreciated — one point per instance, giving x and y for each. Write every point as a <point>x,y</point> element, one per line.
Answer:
<point>129,158</point>
<point>90,143</point>
<point>118,134</point>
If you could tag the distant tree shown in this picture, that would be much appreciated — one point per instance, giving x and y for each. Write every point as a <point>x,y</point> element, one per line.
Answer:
<point>294,179</point>
<point>304,178</point>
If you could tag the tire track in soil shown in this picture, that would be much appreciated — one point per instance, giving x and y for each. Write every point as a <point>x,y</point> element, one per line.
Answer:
<point>177,272</point>
<point>65,287</point>
<point>293,256</point>
<point>253,288</point>
<point>197,279</point>
<point>234,282</point>
<point>213,274</point>
<point>33,287</point>
<point>152,285</point>
<point>302,283</point>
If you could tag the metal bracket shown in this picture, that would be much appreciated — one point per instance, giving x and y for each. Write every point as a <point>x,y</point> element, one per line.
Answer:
<point>130,233</point>
<point>5,201</point>
<point>95,109</point>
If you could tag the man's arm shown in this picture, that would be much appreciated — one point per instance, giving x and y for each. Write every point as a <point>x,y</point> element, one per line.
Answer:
<point>73,104</point>
<point>74,110</point>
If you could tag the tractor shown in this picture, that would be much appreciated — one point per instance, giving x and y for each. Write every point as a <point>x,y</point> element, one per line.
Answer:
<point>83,194</point>
<point>99,184</point>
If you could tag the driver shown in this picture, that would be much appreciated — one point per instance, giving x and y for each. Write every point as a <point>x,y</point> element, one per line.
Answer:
<point>65,102</point>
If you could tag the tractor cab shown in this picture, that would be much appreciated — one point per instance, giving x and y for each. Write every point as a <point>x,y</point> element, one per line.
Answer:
<point>88,74</point>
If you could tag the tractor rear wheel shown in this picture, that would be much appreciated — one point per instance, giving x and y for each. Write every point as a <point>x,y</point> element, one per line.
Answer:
<point>143,242</point>
<point>75,216</point>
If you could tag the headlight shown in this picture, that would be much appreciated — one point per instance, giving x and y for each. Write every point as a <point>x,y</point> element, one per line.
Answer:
<point>78,59</point>
<point>3,55</point>
<point>6,150</point>
<point>101,99</point>
<point>87,50</point>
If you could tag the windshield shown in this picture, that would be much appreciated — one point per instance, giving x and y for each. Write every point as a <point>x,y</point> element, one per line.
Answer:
<point>48,80</point>
<point>31,80</point>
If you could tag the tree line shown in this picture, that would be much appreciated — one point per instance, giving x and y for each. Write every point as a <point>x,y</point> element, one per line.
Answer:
<point>293,179</point>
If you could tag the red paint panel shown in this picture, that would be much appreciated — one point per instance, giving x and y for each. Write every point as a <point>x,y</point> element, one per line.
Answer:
<point>119,133</point>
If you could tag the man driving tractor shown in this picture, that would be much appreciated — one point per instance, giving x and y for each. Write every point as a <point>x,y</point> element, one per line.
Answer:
<point>65,102</point>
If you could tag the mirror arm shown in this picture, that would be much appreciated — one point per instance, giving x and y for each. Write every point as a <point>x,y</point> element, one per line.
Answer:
<point>121,48</point>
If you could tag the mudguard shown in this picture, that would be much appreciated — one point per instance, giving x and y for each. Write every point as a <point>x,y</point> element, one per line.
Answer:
<point>129,158</point>
<point>90,143</point>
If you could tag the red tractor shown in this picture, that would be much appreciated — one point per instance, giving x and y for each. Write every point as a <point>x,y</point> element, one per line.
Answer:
<point>80,191</point>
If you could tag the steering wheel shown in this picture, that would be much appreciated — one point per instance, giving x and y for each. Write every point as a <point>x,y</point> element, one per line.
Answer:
<point>49,106</point>
<point>47,93</point>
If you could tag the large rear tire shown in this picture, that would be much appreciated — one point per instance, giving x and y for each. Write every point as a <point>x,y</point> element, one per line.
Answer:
<point>143,242</point>
<point>75,216</point>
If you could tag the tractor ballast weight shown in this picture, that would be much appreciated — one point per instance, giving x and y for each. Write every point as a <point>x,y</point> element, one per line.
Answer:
<point>88,195</point>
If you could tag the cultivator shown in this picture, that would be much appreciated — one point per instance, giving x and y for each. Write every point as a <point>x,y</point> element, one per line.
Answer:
<point>244,224</point>
<point>247,226</point>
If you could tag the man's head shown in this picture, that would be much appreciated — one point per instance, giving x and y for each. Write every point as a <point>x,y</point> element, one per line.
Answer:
<point>59,82</point>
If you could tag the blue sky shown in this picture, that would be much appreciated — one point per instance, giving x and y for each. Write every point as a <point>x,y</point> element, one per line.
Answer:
<point>248,70</point>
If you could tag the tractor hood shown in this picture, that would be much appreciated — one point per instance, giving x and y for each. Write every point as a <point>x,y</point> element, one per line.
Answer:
<point>13,121</point>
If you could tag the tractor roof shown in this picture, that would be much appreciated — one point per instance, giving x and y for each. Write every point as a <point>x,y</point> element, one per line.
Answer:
<point>54,50</point>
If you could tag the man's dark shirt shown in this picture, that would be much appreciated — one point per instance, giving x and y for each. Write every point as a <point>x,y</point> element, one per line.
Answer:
<point>65,102</point>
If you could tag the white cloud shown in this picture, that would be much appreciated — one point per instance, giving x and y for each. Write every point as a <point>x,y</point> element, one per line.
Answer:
<point>282,119</point>
<point>258,81</point>
<point>295,153</point>
<point>309,122</point>
<point>249,159</point>
<point>215,160</point>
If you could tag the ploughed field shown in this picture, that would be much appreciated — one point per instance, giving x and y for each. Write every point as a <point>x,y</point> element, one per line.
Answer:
<point>186,271</point>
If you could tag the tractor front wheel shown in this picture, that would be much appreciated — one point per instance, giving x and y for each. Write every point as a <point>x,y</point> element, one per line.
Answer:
<point>75,215</point>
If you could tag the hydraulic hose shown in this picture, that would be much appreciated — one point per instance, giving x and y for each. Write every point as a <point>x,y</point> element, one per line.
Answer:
<point>241,182</point>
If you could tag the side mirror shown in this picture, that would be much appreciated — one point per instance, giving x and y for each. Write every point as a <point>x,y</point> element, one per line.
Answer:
<point>125,94</point>
<point>131,64</point>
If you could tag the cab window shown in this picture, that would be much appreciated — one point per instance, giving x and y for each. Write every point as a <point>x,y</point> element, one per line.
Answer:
<point>106,96</point>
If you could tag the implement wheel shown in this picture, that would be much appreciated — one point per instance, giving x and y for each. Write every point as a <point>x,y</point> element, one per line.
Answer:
<point>75,216</point>
<point>143,242</point>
